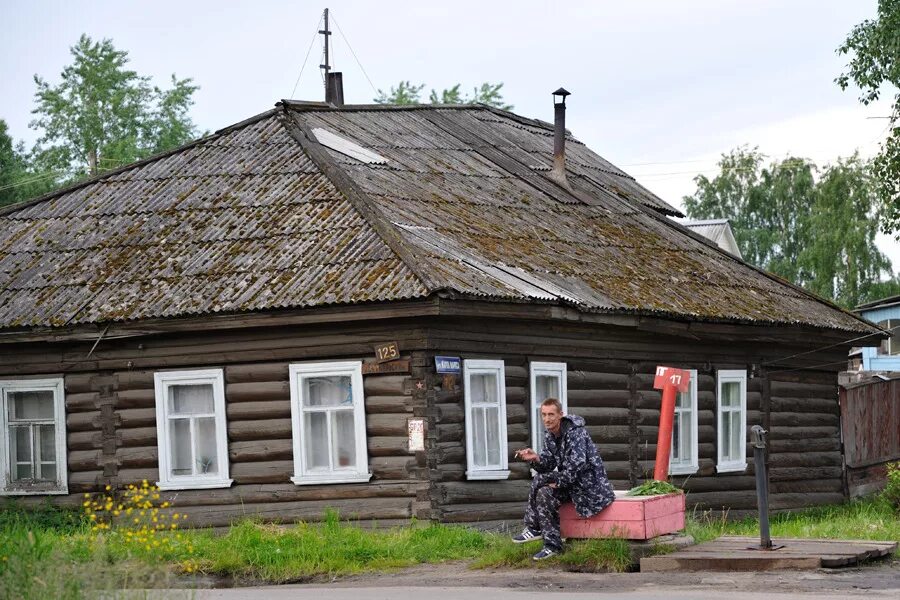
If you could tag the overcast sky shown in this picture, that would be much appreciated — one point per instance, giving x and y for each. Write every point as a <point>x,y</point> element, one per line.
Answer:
<point>659,88</point>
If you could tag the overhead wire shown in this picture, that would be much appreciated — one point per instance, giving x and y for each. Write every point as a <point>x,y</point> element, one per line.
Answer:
<point>836,344</point>
<point>302,67</point>
<point>346,41</point>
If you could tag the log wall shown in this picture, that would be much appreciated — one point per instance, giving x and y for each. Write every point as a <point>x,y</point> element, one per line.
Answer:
<point>610,384</point>
<point>112,437</point>
<point>112,429</point>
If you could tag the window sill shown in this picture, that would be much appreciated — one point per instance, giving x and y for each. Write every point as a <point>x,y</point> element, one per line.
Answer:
<point>36,492</point>
<point>496,475</point>
<point>326,479</point>
<point>731,467</point>
<point>684,470</point>
<point>166,486</point>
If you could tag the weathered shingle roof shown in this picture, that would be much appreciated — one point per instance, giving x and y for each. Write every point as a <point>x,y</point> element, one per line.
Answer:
<point>262,216</point>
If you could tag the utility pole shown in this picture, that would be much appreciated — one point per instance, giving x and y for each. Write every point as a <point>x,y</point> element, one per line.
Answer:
<point>325,33</point>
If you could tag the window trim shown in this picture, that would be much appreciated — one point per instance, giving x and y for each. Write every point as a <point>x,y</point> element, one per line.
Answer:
<point>337,368</point>
<point>497,367</point>
<point>536,369</point>
<point>54,384</point>
<point>163,379</point>
<point>729,376</point>
<point>691,467</point>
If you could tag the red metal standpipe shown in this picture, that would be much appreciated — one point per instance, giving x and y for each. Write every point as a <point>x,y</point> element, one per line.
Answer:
<point>664,440</point>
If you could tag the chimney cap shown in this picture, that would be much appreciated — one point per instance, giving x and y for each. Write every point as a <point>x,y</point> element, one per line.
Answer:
<point>562,92</point>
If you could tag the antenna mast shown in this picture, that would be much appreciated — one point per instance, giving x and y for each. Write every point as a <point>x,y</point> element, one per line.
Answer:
<point>325,33</point>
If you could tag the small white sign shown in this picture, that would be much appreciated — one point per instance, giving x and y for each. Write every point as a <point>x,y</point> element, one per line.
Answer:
<point>416,428</point>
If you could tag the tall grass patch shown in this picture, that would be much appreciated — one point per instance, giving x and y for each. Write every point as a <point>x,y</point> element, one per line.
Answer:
<point>255,551</point>
<point>866,519</point>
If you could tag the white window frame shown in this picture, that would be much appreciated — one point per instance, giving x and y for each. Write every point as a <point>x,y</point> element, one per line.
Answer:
<point>162,380</point>
<point>692,464</point>
<point>482,367</point>
<point>722,377</point>
<point>59,421</point>
<point>551,369</point>
<point>352,369</point>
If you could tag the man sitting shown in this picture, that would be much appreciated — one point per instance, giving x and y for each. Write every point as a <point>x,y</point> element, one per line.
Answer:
<point>568,468</point>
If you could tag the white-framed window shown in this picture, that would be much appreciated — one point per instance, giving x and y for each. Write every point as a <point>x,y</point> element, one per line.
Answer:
<point>191,429</point>
<point>547,380</point>
<point>329,423</point>
<point>485,398</point>
<point>33,437</point>
<point>731,402</point>
<point>684,459</point>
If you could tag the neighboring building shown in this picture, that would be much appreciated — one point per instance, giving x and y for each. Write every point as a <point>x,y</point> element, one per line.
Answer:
<point>886,314</point>
<point>718,231</point>
<point>208,319</point>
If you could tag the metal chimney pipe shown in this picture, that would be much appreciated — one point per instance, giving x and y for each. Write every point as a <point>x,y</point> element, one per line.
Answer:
<point>559,136</point>
<point>334,88</point>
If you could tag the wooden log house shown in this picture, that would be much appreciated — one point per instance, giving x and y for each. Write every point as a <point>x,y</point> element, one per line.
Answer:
<point>207,319</point>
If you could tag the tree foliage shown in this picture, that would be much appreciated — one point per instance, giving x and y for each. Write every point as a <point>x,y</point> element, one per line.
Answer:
<point>103,115</point>
<point>814,228</point>
<point>406,92</point>
<point>18,181</point>
<point>874,50</point>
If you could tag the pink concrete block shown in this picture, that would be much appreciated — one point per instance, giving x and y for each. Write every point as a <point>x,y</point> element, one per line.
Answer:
<point>628,517</point>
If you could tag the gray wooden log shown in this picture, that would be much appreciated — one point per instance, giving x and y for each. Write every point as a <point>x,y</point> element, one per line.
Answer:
<point>78,383</point>
<point>84,440</point>
<point>270,471</point>
<point>392,467</point>
<point>135,380</point>
<point>84,421</point>
<point>593,381</point>
<point>388,404</point>
<point>387,385</point>
<point>139,436</point>
<point>386,425</point>
<point>136,398</point>
<point>470,492</point>
<point>257,391</point>
<point>289,512</point>
<point>798,419</point>
<point>261,450</point>
<point>467,513</point>
<point>388,445</point>
<point>247,373</point>
<point>288,492</point>
<point>835,485</point>
<point>269,409</point>
<point>265,429</point>
<point>82,402</point>
<point>599,398</point>
<point>136,417</point>
<point>805,459</point>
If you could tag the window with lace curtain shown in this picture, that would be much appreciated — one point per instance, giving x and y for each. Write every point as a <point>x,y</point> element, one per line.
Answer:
<point>329,423</point>
<point>32,437</point>
<point>485,401</point>
<point>731,401</point>
<point>191,429</point>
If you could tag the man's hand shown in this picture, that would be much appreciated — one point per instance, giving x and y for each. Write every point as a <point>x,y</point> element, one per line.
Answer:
<point>527,454</point>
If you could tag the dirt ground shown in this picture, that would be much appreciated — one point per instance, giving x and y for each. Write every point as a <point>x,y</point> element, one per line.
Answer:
<point>881,575</point>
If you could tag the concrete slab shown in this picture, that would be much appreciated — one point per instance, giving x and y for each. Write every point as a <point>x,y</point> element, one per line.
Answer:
<point>733,553</point>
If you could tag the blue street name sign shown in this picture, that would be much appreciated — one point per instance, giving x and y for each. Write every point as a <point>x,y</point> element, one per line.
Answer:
<point>447,364</point>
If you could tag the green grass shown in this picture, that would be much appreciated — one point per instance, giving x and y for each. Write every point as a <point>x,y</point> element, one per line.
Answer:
<point>868,519</point>
<point>256,551</point>
<point>53,553</point>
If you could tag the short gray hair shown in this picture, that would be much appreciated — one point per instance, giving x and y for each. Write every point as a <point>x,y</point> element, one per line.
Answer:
<point>553,402</point>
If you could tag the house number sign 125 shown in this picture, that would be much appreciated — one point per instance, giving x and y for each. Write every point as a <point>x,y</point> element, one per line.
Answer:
<point>387,352</point>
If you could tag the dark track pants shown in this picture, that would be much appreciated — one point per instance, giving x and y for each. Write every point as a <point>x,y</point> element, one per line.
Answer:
<point>542,512</point>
